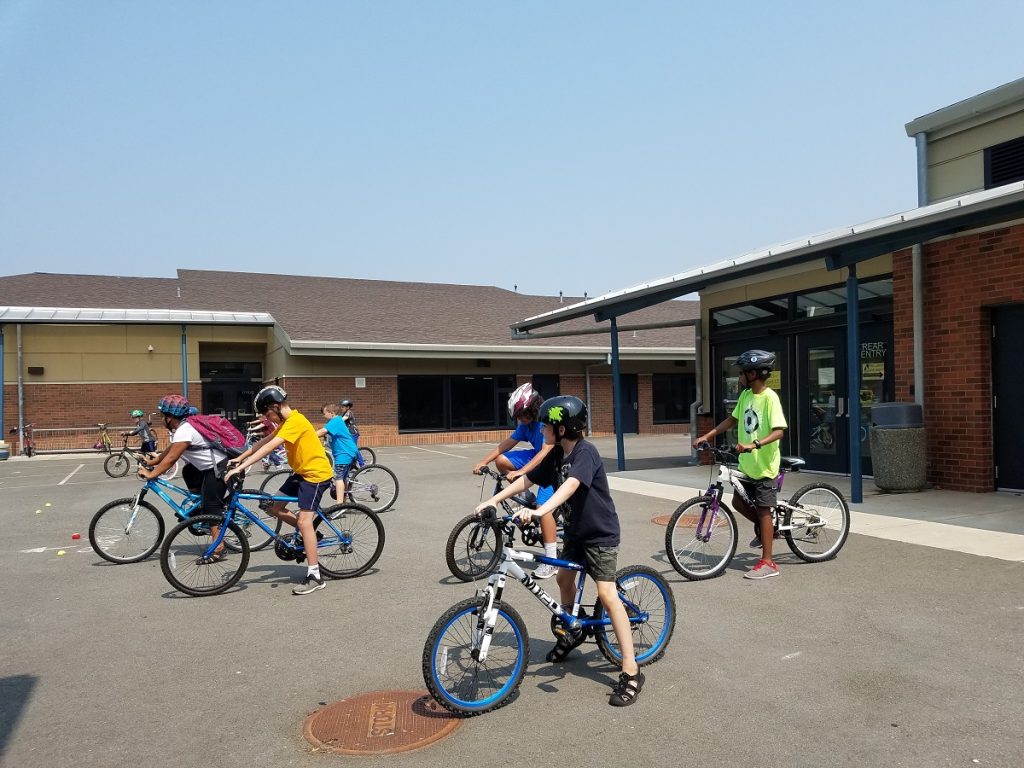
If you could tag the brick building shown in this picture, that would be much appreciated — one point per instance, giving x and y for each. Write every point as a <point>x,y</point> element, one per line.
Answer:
<point>424,362</point>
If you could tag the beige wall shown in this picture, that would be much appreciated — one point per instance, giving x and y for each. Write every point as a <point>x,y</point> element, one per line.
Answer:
<point>956,161</point>
<point>114,353</point>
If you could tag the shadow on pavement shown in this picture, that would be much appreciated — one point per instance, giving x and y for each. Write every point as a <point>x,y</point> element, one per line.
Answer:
<point>15,693</point>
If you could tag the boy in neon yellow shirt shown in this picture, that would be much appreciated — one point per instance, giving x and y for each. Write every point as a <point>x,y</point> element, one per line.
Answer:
<point>312,473</point>
<point>761,424</point>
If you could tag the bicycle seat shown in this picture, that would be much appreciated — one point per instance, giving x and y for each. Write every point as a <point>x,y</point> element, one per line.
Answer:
<point>791,463</point>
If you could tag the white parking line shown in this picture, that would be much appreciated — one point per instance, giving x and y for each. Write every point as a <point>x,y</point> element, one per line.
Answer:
<point>71,475</point>
<point>416,447</point>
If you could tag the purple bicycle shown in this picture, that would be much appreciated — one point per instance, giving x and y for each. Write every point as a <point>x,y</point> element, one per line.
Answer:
<point>702,535</point>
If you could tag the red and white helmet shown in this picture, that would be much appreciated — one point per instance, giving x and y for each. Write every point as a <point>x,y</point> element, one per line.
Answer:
<point>525,398</point>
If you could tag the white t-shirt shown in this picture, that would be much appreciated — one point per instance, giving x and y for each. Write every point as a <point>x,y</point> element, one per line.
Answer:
<point>201,460</point>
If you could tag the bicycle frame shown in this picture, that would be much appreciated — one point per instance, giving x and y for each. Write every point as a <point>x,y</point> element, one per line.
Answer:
<point>491,594</point>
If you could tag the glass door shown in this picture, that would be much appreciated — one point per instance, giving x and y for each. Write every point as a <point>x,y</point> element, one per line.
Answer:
<point>823,420</point>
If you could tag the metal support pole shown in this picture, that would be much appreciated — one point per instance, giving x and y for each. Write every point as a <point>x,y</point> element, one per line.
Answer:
<point>696,405</point>
<point>853,379</point>
<point>620,447</point>
<point>21,398</point>
<point>184,362</point>
<point>2,382</point>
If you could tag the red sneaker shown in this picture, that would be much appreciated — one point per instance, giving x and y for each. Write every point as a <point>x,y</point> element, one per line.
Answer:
<point>763,570</point>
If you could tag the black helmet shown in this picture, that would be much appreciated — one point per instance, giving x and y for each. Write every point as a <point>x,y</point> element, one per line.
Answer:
<point>267,397</point>
<point>756,360</point>
<point>346,403</point>
<point>564,410</point>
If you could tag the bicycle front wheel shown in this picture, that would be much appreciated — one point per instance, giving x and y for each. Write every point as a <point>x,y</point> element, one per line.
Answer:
<point>473,549</point>
<point>258,538</point>
<point>374,486</point>
<point>368,455</point>
<point>189,542</point>
<point>121,532</point>
<point>455,676</point>
<point>116,465</point>
<point>700,541</point>
<point>351,543</point>
<point>816,522</point>
<point>642,590</point>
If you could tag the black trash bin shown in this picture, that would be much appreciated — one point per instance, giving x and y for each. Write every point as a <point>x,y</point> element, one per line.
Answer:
<point>898,447</point>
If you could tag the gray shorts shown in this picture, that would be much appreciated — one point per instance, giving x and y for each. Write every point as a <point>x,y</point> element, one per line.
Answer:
<point>762,492</point>
<point>600,563</point>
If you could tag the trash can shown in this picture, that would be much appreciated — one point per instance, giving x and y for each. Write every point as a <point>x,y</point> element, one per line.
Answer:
<point>898,447</point>
<point>5,452</point>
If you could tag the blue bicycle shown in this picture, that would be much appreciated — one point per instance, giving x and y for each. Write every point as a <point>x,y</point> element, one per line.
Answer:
<point>476,654</point>
<point>130,529</point>
<point>350,539</point>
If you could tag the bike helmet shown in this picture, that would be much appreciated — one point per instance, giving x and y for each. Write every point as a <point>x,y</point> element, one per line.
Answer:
<point>267,397</point>
<point>525,398</point>
<point>137,414</point>
<point>174,405</point>
<point>346,403</point>
<point>564,410</point>
<point>756,360</point>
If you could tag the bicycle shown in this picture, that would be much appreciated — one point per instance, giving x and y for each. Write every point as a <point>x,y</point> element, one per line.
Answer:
<point>118,464</point>
<point>476,654</point>
<point>474,548</point>
<point>27,443</point>
<point>702,536</point>
<point>350,539</point>
<point>103,443</point>
<point>374,486</point>
<point>129,530</point>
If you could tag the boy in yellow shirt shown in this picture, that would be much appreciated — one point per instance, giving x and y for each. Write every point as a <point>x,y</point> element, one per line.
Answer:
<point>312,473</point>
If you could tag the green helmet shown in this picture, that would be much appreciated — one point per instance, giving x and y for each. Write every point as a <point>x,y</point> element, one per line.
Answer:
<point>137,414</point>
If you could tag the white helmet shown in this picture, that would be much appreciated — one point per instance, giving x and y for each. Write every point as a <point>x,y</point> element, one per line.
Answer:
<point>525,398</point>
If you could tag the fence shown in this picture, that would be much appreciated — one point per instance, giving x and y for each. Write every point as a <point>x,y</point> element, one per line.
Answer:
<point>78,439</point>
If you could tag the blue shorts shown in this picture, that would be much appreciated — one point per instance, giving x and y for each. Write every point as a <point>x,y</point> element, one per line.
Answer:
<point>520,459</point>
<point>341,471</point>
<point>308,494</point>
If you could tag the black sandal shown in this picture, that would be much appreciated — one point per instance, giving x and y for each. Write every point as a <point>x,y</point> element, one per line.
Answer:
<point>216,557</point>
<point>563,647</point>
<point>627,690</point>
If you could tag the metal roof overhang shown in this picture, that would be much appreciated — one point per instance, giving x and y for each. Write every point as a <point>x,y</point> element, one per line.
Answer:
<point>839,248</point>
<point>137,316</point>
<point>465,351</point>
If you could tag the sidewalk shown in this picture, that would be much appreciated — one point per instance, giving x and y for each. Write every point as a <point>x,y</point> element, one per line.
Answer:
<point>986,524</point>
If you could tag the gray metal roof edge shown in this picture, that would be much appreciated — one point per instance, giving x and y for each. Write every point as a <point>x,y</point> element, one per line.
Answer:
<point>16,314</point>
<point>793,249</point>
<point>302,346</point>
<point>961,111</point>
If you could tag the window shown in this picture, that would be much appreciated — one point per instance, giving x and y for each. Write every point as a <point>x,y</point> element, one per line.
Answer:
<point>761,312</point>
<point>672,394</point>
<point>433,403</point>
<point>1004,163</point>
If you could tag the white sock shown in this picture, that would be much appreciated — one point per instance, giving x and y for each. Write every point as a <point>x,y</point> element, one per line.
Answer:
<point>314,571</point>
<point>551,550</point>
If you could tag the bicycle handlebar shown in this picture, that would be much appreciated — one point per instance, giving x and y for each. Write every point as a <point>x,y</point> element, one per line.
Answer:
<point>492,473</point>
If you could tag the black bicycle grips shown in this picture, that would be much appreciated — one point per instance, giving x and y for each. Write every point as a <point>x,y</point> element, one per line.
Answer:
<point>489,515</point>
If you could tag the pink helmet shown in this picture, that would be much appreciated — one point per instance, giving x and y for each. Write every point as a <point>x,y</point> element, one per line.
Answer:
<point>525,398</point>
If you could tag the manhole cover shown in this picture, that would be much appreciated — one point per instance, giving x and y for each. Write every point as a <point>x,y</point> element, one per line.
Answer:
<point>661,519</point>
<point>379,722</point>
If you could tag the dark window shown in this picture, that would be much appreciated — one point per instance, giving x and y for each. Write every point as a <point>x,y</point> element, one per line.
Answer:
<point>1004,163</point>
<point>672,395</point>
<point>760,312</point>
<point>548,384</point>
<point>453,402</point>
<point>229,370</point>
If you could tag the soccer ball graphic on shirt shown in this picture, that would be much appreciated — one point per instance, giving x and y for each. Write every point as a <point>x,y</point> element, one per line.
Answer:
<point>751,423</point>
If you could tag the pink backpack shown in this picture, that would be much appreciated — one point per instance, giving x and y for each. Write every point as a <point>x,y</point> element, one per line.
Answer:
<point>220,433</point>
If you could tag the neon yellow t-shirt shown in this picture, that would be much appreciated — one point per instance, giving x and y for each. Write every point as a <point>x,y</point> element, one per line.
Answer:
<point>756,416</point>
<point>306,454</point>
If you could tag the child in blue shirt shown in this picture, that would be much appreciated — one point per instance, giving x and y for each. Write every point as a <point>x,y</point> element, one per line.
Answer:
<point>343,447</point>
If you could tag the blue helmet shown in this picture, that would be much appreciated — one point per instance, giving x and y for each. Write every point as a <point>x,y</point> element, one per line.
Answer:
<point>174,405</point>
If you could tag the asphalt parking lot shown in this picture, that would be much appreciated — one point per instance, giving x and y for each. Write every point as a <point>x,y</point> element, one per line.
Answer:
<point>893,654</point>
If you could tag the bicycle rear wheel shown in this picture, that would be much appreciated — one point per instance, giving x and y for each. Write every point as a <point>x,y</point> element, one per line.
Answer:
<point>473,549</point>
<point>352,541</point>
<point>191,540</point>
<point>816,522</point>
<point>701,541</point>
<point>117,465</point>
<point>271,485</point>
<point>457,680</point>
<point>641,590</point>
<point>369,455</point>
<point>123,533</point>
<point>374,486</point>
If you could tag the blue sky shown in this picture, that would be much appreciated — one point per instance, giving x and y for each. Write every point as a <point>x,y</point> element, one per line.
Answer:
<point>574,146</point>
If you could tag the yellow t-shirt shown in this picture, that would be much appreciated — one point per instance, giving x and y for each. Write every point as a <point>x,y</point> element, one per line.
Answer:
<point>306,454</point>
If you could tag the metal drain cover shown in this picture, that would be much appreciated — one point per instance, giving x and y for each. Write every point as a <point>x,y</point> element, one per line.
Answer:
<point>379,722</point>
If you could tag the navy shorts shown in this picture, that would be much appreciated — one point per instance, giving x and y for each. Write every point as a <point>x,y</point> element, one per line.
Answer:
<point>308,494</point>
